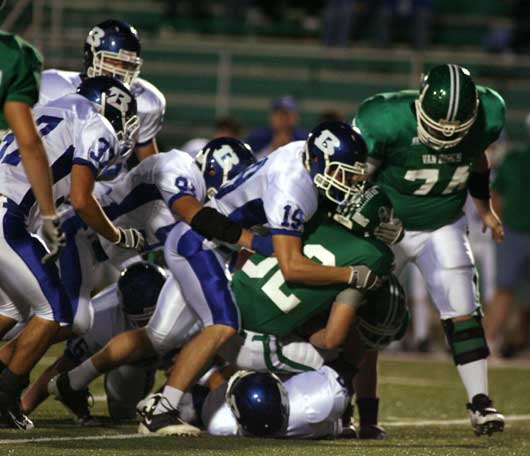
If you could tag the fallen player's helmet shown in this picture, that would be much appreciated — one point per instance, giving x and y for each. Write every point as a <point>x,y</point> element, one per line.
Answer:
<point>221,160</point>
<point>112,48</point>
<point>384,317</point>
<point>138,288</point>
<point>259,402</point>
<point>117,104</point>
<point>447,106</point>
<point>363,213</point>
<point>335,156</point>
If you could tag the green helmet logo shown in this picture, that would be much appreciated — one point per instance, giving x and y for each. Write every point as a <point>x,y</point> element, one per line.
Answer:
<point>447,106</point>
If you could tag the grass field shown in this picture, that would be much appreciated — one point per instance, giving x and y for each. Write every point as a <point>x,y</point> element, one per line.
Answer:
<point>422,407</point>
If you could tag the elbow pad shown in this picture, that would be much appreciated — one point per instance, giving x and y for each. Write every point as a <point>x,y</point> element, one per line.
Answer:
<point>211,224</point>
<point>479,185</point>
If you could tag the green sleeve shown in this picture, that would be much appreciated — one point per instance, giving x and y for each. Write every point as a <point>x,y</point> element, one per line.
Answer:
<point>24,86</point>
<point>495,110</point>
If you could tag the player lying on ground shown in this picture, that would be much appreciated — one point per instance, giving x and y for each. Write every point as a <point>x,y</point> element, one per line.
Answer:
<point>427,151</point>
<point>84,133</point>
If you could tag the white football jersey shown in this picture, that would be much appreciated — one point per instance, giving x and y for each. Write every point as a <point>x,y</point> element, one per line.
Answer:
<point>143,198</point>
<point>317,401</point>
<point>73,132</point>
<point>151,103</point>
<point>277,192</point>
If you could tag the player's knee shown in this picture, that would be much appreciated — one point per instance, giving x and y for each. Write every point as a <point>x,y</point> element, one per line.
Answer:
<point>221,333</point>
<point>466,339</point>
<point>160,342</point>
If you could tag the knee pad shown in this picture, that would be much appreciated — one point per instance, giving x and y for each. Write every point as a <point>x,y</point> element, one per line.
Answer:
<point>466,339</point>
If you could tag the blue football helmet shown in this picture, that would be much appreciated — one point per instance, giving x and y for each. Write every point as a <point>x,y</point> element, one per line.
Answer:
<point>112,48</point>
<point>259,401</point>
<point>221,160</point>
<point>335,157</point>
<point>117,104</point>
<point>138,288</point>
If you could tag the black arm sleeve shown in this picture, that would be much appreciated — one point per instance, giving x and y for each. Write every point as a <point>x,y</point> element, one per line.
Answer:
<point>211,224</point>
<point>479,185</point>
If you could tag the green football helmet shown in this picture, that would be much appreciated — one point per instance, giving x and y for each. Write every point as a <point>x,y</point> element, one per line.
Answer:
<point>447,106</point>
<point>384,317</point>
<point>362,213</point>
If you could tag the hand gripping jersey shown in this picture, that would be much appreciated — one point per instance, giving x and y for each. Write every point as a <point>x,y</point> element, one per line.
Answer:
<point>277,192</point>
<point>150,101</point>
<point>143,199</point>
<point>317,401</point>
<point>428,188</point>
<point>73,132</point>
<point>20,67</point>
<point>268,304</point>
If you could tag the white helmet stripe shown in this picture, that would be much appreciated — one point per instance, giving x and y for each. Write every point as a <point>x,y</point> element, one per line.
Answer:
<point>457,92</point>
<point>451,92</point>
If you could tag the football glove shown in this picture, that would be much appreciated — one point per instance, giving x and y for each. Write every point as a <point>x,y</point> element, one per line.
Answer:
<point>130,238</point>
<point>390,232</point>
<point>53,237</point>
<point>363,278</point>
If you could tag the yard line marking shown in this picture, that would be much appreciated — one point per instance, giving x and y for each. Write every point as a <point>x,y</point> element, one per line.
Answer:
<point>68,439</point>
<point>412,422</point>
<point>408,422</point>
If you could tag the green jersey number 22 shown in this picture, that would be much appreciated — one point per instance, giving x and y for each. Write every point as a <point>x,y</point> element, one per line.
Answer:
<point>431,176</point>
<point>271,288</point>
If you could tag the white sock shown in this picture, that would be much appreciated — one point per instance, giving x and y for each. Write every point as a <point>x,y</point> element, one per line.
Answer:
<point>173,396</point>
<point>82,375</point>
<point>475,377</point>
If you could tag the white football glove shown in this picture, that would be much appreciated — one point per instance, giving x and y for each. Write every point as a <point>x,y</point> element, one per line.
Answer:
<point>53,237</point>
<point>390,232</point>
<point>130,238</point>
<point>363,278</point>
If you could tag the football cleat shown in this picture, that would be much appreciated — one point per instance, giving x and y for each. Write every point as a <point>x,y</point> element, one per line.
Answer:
<point>11,414</point>
<point>372,432</point>
<point>485,419</point>
<point>166,423</point>
<point>76,402</point>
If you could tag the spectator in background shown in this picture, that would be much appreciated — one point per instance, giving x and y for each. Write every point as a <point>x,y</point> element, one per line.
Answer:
<point>510,197</point>
<point>337,22</point>
<point>224,126</point>
<point>283,128</point>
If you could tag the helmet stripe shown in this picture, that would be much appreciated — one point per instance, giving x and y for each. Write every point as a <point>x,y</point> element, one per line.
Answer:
<point>451,92</point>
<point>457,92</point>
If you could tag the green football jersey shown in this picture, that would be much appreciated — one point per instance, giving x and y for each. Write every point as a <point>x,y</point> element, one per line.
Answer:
<point>427,187</point>
<point>20,68</point>
<point>270,305</point>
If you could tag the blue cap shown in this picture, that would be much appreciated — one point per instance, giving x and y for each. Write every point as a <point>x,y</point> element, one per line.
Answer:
<point>286,103</point>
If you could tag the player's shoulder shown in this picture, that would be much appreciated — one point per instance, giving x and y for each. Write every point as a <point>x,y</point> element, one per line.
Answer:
<point>18,47</point>
<point>148,97</point>
<point>287,158</point>
<point>61,77</point>
<point>378,114</point>
<point>493,108</point>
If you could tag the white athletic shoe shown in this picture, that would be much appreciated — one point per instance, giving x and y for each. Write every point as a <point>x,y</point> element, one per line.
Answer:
<point>485,419</point>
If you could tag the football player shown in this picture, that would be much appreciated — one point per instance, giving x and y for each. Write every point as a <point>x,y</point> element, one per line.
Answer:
<point>125,305</point>
<point>84,133</point>
<point>152,197</point>
<point>112,48</point>
<point>427,151</point>
<point>20,68</point>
